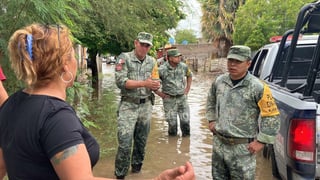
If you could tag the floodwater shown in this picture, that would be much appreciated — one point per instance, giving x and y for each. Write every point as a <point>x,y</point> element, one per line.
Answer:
<point>163,152</point>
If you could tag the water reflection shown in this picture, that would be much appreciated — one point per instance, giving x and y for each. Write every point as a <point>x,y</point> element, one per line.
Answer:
<point>165,152</point>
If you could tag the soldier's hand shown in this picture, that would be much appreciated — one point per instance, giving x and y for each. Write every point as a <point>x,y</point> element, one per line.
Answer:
<point>152,84</point>
<point>212,126</point>
<point>163,95</point>
<point>254,147</point>
<point>186,91</point>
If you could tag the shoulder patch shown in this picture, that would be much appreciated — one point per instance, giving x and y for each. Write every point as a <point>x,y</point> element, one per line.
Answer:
<point>121,61</point>
<point>120,64</point>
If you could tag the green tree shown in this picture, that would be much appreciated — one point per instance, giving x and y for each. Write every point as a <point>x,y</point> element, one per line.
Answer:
<point>115,24</point>
<point>101,25</point>
<point>186,34</point>
<point>258,20</point>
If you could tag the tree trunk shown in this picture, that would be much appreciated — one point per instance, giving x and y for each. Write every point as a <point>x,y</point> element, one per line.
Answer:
<point>222,44</point>
<point>94,69</point>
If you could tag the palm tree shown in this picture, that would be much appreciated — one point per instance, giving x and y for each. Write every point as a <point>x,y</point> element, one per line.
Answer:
<point>217,22</point>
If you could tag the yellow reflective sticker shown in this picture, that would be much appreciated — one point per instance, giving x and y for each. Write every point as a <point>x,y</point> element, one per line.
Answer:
<point>268,106</point>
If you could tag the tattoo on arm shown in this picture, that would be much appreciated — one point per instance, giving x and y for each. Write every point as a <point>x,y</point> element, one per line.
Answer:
<point>64,154</point>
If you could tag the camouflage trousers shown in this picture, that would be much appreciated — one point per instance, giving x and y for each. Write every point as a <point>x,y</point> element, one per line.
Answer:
<point>133,131</point>
<point>232,162</point>
<point>174,107</point>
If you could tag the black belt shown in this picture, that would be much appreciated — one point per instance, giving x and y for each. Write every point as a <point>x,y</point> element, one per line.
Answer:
<point>135,100</point>
<point>233,140</point>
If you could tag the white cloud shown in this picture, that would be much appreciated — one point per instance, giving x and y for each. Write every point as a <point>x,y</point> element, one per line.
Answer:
<point>193,11</point>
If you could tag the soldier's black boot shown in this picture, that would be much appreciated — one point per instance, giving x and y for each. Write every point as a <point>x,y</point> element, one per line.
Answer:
<point>184,134</point>
<point>120,177</point>
<point>172,131</point>
<point>185,130</point>
<point>136,168</point>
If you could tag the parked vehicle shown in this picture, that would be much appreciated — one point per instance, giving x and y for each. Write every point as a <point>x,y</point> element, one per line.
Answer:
<point>292,70</point>
<point>264,58</point>
<point>111,60</point>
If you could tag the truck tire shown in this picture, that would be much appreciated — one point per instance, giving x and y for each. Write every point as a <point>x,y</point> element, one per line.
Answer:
<point>274,166</point>
<point>267,151</point>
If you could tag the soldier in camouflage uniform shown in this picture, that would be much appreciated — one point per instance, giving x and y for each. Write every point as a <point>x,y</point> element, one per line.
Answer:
<point>135,72</point>
<point>243,117</point>
<point>173,75</point>
<point>162,60</point>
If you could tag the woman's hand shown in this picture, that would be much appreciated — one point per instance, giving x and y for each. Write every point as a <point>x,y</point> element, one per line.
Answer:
<point>185,172</point>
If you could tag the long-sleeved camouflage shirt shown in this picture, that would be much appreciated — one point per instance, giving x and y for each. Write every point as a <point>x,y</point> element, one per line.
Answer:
<point>173,79</point>
<point>128,66</point>
<point>236,110</point>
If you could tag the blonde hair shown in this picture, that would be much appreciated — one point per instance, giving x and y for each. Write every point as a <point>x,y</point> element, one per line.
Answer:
<point>51,48</point>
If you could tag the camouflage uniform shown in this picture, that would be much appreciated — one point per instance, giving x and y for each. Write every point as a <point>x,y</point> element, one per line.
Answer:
<point>236,110</point>
<point>173,84</point>
<point>133,114</point>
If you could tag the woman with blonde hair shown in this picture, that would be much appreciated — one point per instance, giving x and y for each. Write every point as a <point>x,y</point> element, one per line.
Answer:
<point>41,136</point>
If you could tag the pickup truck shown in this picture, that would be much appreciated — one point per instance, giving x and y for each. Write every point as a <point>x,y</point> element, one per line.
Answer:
<point>291,68</point>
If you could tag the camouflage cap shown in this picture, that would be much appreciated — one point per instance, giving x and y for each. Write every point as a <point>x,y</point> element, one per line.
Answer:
<point>241,53</point>
<point>144,37</point>
<point>173,52</point>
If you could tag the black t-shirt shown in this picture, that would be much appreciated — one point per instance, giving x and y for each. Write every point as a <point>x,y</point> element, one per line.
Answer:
<point>33,128</point>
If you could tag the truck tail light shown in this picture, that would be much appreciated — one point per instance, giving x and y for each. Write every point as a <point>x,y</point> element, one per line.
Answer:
<point>301,141</point>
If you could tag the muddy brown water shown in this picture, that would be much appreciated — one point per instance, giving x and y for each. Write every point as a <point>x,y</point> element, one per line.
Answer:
<point>163,152</point>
